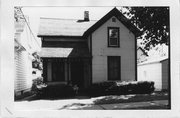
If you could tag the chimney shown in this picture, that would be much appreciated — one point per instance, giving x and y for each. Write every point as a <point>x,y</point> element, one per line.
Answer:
<point>86,15</point>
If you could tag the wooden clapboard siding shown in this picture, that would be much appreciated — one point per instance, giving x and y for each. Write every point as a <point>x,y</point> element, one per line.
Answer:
<point>22,71</point>
<point>155,70</point>
<point>100,51</point>
<point>151,72</point>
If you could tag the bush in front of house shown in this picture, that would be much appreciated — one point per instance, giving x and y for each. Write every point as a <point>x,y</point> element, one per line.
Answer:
<point>38,86</point>
<point>145,87</point>
<point>121,88</point>
<point>59,90</point>
<point>133,87</point>
<point>100,88</point>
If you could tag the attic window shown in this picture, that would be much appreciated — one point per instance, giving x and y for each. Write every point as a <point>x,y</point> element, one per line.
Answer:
<point>113,19</point>
<point>113,37</point>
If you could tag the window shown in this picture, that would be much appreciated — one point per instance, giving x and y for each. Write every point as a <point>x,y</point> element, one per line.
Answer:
<point>114,64</point>
<point>113,37</point>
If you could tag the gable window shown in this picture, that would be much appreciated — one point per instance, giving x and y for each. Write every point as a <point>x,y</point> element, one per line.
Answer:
<point>113,37</point>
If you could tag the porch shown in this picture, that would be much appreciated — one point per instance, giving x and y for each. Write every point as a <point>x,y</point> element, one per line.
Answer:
<point>75,71</point>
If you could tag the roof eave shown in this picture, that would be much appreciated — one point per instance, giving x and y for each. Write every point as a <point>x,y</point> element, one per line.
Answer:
<point>63,36</point>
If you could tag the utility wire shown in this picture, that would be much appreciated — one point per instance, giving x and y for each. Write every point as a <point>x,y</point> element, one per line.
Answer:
<point>29,27</point>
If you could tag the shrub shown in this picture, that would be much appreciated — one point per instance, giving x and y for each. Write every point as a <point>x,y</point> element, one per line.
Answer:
<point>145,87</point>
<point>59,90</point>
<point>121,88</point>
<point>37,62</point>
<point>100,88</point>
<point>38,86</point>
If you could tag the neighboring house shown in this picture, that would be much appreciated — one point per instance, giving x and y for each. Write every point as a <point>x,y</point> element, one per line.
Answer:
<point>141,55</point>
<point>87,51</point>
<point>156,70</point>
<point>24,46</point>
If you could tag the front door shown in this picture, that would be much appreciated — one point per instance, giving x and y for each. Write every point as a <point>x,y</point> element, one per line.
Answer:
<point>58,74</point>
<point>77,74</point>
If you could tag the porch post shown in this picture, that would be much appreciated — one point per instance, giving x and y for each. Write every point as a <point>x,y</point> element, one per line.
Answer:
<point>49,71</point>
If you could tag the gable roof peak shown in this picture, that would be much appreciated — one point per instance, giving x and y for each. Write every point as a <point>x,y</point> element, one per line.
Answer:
<point>114,12</point>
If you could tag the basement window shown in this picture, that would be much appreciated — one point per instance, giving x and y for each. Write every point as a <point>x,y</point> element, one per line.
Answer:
<point>113,37</point>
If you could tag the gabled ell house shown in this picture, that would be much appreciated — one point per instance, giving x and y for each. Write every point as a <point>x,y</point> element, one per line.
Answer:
<point>87,51</point>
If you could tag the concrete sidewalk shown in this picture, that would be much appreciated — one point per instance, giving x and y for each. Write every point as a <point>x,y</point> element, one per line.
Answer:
<point>85,104</point>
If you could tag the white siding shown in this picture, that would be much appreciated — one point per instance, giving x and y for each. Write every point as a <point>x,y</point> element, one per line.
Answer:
<point>100,51</point>
<point>151,72</point>
<point>23,72</point>
<point>23,57</point>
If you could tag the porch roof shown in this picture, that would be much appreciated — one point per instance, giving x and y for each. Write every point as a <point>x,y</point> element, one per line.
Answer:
<point>64,52</point>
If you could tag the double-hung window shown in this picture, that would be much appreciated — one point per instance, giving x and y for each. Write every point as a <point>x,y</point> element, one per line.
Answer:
<point>113,37</point>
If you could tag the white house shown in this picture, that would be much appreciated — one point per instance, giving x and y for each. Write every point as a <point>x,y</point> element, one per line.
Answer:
<point>156,70</point>
<point>24,46</point>
<point>87,51</point>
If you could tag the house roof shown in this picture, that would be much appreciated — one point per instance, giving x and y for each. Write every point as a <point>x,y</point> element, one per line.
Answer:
<point>70,27</point>
<point>63,27</point>
<point>142,50</point>
<point>154,60</point>
<point>77,50</point>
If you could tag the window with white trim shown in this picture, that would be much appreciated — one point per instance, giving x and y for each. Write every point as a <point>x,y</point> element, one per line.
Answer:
<point>113,37</point>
